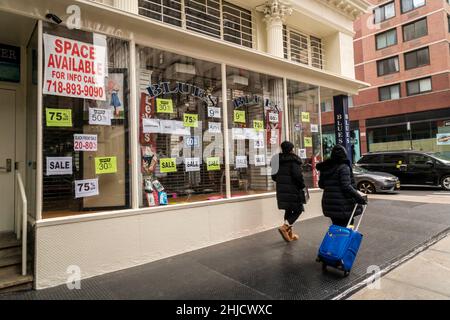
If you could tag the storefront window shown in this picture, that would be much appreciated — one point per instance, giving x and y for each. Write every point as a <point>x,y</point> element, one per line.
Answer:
<point>304,127</point>
<point>181,131</point>
<point>85,122</point>
<point>255,121</point>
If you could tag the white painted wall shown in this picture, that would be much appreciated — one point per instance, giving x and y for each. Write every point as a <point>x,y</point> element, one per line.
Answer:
<point>109,244</point>
<point>339,56</point>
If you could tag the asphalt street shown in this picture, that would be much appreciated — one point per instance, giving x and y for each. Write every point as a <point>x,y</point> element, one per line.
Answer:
<point>262,266</point>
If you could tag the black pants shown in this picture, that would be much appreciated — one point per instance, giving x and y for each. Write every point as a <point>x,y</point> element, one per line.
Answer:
<point>341,222</point>
<point>291,216</point>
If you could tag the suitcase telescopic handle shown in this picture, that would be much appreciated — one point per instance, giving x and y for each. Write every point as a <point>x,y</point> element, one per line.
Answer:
<point>360,219</point>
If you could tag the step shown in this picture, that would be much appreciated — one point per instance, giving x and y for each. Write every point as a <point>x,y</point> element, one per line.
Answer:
<point>11,280</point>
<point>8,240</point>
<point>10,261</point>
<point>8,252</point>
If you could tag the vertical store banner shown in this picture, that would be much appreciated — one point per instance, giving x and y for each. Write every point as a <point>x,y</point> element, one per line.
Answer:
<point>74,68</point>
<point>342,123</point>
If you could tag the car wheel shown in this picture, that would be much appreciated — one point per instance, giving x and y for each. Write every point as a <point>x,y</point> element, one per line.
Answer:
<point>366,187</point>
<point>446,183</point>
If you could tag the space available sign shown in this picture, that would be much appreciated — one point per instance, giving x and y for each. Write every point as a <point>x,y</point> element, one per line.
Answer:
<point>59,166</point>
<point>74,68</point>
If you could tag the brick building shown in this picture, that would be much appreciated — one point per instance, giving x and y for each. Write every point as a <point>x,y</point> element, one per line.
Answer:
<point>402,49</point>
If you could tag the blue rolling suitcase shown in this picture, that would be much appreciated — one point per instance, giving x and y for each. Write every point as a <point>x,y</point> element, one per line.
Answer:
<point>340,246</point>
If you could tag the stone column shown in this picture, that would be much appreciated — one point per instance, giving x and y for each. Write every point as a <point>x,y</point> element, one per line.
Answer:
<point>275,12</point>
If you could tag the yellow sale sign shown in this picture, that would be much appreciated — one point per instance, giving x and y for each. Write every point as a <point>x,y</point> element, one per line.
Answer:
<point>308,142</point>
<point>164,105</point>
<point>213,163</point>
<point>190,120</point>
<point>105,165</point>
<point>167,165</point>
<point>58,117</point>
<point>258,125</point>
<point>239,116</point>
<point>305,117</point>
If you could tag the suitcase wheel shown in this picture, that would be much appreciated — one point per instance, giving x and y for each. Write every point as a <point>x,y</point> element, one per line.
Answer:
<point>346,273</point>
<point>324,267</point>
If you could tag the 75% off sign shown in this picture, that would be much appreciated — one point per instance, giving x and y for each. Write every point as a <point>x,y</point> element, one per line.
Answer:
<point>86,188</point>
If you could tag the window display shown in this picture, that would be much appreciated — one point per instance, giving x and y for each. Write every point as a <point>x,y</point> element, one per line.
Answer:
<point>303,105</point>
<point>181,134</point>
<point>255,121</point>
<point>85,112</point>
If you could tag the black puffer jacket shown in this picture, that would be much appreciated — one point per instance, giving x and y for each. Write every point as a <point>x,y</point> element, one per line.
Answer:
<point>289,181</point>
<point>336,179</point>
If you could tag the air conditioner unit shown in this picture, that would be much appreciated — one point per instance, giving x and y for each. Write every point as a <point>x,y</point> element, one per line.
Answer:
<point>237,81</point>
<point>180,72</point>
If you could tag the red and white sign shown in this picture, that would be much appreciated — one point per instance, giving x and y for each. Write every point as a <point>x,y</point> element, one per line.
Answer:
<point>85,142</point>
<point>74,68</point>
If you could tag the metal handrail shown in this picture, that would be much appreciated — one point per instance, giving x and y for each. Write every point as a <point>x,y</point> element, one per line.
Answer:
<point>23,197</point>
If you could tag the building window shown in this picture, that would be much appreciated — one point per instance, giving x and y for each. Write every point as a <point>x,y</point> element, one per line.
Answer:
<point>386,39</point>
<point>316,52</point>
<point>417,58</point>
<point>168,11</point>
<point>388,66</point>
<point>409,5</point>
<point>384,12</point>
<point>415,30</point>
<point>255,120</point>
<point>85,123</point>
<point>203,16</point>
<point>418,86</point>
<point>389,92</point>
<point>181,132</point>
<point>237,25</point>
<point>302,48</point>
<point>303,107</point>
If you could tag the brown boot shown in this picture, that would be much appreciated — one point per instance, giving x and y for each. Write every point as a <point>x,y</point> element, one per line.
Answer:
<point>292,235</point>
<point>284,231</point>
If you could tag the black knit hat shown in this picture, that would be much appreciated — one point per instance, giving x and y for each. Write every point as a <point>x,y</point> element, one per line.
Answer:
<point>287,147</point>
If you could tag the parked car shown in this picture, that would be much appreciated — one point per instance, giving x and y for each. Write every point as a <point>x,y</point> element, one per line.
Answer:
<point>373,182</point>
<point>413,168</point>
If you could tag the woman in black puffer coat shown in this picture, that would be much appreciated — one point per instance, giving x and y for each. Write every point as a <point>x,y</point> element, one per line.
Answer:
<point>340,195</point>
<point>287,173</point>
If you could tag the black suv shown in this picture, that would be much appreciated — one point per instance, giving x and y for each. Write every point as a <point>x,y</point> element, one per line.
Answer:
<point>411,167</point>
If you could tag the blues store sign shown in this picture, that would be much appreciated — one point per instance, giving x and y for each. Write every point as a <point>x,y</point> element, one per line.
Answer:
<point>163,88</point>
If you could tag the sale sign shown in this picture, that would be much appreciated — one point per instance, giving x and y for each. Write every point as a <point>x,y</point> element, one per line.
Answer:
<point>101,117</point>
<point>59,166</point>
<point>192,164</point>
<point>74,68</point>
<point>105,165</point>
<point>58,117</point>
<point>168,165</point>
<point>164,105</point>
<point>86,188</point>
<point>239,116</point>
<point>213,163</point>
<point>85,142</point>
<point>190,120</point>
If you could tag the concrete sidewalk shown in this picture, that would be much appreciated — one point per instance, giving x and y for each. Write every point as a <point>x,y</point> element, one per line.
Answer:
<point>424,277</point>
<point>263,266</point>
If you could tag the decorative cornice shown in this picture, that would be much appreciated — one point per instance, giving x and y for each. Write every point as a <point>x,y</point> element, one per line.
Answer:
<point>350,8</point>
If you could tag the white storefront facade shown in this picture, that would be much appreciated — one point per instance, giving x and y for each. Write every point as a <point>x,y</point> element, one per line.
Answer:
<point>145,129</point>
